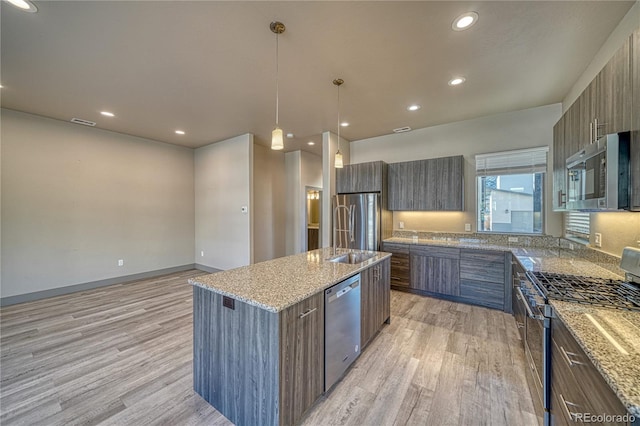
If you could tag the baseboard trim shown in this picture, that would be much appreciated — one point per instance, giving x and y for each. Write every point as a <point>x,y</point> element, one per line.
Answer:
<point>206,268</point>
<point>44,294</point>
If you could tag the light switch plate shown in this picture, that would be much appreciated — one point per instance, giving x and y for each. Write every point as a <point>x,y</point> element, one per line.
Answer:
<point>598,239</point>
<point>467,227</point>
<point>401,225</point>
<point>513,239</point>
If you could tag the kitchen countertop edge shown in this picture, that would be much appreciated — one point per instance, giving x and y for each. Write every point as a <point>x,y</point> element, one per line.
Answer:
<point>275,307</point>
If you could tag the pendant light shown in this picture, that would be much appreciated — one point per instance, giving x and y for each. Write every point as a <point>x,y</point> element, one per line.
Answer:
<point>277,142</point>
<point>338,161</point>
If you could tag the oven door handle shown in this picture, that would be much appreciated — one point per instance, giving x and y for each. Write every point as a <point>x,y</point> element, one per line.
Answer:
<point>530,313</point>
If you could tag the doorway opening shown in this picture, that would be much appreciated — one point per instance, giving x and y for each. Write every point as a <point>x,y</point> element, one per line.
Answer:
<point>313,218</point>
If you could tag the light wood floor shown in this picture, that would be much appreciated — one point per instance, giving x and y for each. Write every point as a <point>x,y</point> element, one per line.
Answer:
<point>122,355</point>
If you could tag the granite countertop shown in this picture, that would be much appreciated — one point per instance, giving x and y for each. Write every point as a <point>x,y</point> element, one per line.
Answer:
<point>537,259</point>
<point>279,283</point>
<point>619,364</point>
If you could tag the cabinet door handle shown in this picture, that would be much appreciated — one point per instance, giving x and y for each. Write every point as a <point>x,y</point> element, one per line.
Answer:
<point>565,405</point>
<point>307,312</point>
<point>567,358</point>
<point>561,198</point>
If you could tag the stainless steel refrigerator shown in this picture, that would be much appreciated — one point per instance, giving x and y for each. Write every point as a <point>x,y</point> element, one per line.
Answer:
<point>357,221</point>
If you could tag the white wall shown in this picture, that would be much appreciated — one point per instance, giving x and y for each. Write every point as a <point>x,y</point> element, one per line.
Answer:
<point>303,169</point>
<point>76,199</point>
<point>501,132</point>
<point>222,187</point>
<point>330,146</point>
<point>269,204</point>
<point>616,39</point>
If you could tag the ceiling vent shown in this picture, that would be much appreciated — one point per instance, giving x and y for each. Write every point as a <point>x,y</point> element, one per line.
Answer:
<point>83,122</point>
<point>402,129</point>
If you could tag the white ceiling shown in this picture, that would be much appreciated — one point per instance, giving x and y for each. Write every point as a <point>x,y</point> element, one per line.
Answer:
<point>209,67</point>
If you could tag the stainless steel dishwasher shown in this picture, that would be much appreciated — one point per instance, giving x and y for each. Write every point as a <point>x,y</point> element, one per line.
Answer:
<point>341,329</point>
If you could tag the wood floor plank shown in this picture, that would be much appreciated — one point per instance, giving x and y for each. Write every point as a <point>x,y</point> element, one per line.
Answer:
<point>122,355</point>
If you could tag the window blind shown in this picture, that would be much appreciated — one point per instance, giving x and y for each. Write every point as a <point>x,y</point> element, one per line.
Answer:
<point>577,224</point>
<point>531,160</point>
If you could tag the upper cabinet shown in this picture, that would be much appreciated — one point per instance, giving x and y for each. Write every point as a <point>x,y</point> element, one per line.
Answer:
<point>427,185</point>
<point>613,100</point>
<point>610,104</point>
<point>363,177</point>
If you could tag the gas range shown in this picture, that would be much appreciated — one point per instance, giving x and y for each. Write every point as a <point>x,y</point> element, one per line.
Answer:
<point>602,292</point>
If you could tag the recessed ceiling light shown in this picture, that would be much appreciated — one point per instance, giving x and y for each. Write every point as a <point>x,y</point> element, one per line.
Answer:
<point>344,124</point>
<point>107,114</point>
<point>311,143</point>
<point>464,21</point>
<point>24,5</point>
<point>456,81</point>
<point>290,135</point>
<point>413,107</point>
<point>179,132</point>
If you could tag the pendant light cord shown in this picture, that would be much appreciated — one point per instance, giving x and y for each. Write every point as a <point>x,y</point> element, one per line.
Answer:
<point>338,117</point>
<point>277,80</point>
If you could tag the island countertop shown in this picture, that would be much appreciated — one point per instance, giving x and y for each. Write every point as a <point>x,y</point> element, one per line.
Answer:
<point>276,284</point>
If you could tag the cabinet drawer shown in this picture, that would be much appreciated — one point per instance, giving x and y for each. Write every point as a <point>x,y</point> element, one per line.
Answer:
<point>395,248</point>
<point>436,251</point>
<point>488,266</point>
<point>481,293</point>
<point>400,271</point>
<point>569,356</point>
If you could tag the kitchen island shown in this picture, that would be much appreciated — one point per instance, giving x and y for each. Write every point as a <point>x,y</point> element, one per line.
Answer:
<point>259,332</point>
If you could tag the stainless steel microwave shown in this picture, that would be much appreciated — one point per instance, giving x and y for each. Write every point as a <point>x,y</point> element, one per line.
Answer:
<point>598,175</point>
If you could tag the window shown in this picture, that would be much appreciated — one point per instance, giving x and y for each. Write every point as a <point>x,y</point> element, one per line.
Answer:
<point>510,191</point>
<point>577,225</point>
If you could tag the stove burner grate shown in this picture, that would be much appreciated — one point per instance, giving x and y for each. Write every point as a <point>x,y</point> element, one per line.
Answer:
<point>589,290</point>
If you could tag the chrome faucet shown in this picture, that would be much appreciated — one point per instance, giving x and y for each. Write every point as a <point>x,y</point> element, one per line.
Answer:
<point>350,211</point>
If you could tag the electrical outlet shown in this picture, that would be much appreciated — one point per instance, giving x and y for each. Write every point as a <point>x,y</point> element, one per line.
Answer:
<point>201,253</point>
<point>120,262</point>
<point>467,227</point>
<point>401,225</point>
<point>513,239</point>
<point>598,239</point>
<point>570,246</point>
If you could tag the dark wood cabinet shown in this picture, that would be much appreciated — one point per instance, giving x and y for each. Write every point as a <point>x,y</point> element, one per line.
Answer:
<point>613,99</point>
<point>401,184</point>
<point>363,177</point>
<point>559,173</point>
<point>635,80</point>
<point>635,170</point>
<point>301,357</point>
<point>375,306</point>
<point>399,274</point>
<point>435,270</point>
<point>449,179</point>
<point>482,278</point>
<point>427,185</point>
<point>577,387</point>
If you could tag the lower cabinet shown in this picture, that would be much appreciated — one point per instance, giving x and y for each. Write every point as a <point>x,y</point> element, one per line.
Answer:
<point>301,357</point>
<point>435,269</point>
<point>400,274</point>
<point>375,306</point>
<point>482,277</point>
<point>478,277</point>
<point>577,387</point>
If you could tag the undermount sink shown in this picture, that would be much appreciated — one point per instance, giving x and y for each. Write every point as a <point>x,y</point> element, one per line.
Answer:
<point>352,258</point>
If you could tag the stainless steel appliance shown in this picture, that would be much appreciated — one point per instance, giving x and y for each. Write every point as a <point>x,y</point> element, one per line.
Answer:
<point>357,221</point>
<point>532,317</point>
<point>342,328</point>
<point>598,176</point>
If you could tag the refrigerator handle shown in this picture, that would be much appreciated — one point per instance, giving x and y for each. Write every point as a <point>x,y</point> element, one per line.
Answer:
<point>352,218</point>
